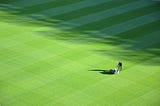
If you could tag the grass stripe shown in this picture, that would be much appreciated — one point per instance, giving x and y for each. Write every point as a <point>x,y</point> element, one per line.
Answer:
<point>68,8</point>
<point>90,10</point>
<point>106,14</point>
<point>39,70</point>
<point>8,1</point>
<point>139,31</point>
<point>138,39</point>
<point>26,3</point>
<point>130,93</point>
<point>20,5</point>
<point>145,42</point>
<point>145,99</point>
<point>131,24</point>
<point>117,19</point>
<point>42,7</point>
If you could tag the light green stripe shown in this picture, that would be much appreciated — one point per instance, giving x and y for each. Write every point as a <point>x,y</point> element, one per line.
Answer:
<point>131,24</point>
<point>26,3</point>
<point>68,8</point>
<point>106,14</point>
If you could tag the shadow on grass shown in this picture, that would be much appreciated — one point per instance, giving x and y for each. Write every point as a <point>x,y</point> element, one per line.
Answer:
<point>108,72</point>
<point>139,44</point>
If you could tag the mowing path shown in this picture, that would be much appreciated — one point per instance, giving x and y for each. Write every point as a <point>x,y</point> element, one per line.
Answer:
<point>62,63</point>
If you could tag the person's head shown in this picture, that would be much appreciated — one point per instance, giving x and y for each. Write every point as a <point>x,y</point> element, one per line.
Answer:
<point>120,64</point>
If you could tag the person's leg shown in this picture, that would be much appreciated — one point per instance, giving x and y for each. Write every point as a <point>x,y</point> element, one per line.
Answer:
<point>119,68</point>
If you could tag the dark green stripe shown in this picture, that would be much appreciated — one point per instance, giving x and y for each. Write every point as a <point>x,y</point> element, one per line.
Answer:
<point>8,1</point>
<point>141,31</point>
<point>90,10</point>
<point>118,18</point>
<point>86,11</point>
<point>45,6</point>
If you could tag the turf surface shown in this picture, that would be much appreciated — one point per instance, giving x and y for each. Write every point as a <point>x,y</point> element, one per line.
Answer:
<point>53,52</point>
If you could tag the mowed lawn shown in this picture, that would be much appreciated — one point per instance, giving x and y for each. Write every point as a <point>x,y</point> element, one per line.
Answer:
<point>53,52</point>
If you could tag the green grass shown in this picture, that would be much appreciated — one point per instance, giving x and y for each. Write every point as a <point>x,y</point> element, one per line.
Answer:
<point>44,64</point>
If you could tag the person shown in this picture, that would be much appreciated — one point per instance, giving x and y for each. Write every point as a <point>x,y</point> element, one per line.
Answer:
<point>117,69</point>
<point>119,66</point>
<point>113,71</point>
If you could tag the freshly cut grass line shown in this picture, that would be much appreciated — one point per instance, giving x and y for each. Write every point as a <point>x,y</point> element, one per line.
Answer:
<point>26,3</point>
<point>145,98</point>
<point>68,8</point>
<point>90,9</point>
<point>38,98</point>
<point>151,39</point>
<point>12,41</point>
<point>18,54</point>
<point>129,94</point>
<point>19,62</point>
<point>139,39</point>
<point>106,14</point>
<point>139,31</point>
<point>9,91</point>
<point>8,1</point>
<point>134,66</point>
<point>89,93</point>
<point>148,40</point>
<point>131,24</point>
<point>37,68</point>
<point>44,6</point>
<point>117,19</point>
<point>35,54</point>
